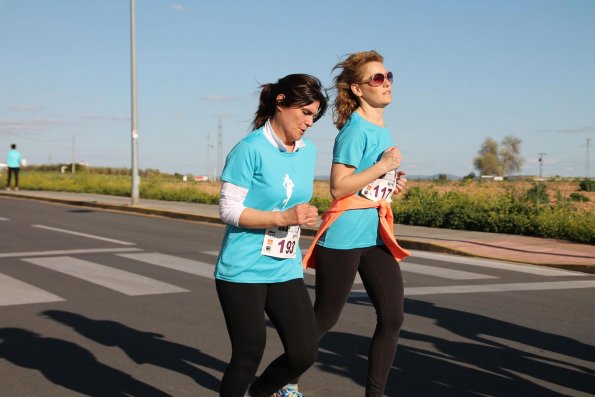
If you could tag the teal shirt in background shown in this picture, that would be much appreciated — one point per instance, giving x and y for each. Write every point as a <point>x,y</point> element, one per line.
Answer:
<point>13,160</point>
<point>271,177</point>
<point>359,144</point>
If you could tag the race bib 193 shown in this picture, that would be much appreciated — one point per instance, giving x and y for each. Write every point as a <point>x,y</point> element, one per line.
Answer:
<point>281,242</point>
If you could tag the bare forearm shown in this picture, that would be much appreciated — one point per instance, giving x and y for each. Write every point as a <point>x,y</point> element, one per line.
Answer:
<point>345,185</point>
<point>302,214</point>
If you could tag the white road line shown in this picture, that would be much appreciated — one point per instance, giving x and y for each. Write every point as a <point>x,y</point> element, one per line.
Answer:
<point>312,272</point>
<point>197,268</point>
<point>441,272</point>
<point>66,252</point>
<point>514,267</point>
<point>467,289</point>
<point>16,292</point>
<point>55,229</point>
<point>4,219</point>
<point>118,280</point>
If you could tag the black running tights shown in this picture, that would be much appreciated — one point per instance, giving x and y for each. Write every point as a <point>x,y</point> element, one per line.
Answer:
<point>289,308</point>
<point>381,276</point>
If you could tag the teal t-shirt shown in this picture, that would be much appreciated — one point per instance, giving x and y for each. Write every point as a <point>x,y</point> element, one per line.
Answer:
<point>275,181</point>
<point>359,144</point>
<point>13,160</point>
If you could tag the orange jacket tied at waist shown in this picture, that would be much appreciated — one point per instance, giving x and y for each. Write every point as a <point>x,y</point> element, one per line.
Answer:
<point>354,202</point>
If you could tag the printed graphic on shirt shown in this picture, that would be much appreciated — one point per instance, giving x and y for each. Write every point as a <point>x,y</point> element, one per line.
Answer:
<point>281,241</point>
<point>288,186</point>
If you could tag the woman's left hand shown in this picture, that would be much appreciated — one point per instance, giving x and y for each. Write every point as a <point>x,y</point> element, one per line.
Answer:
<point>401,182</point>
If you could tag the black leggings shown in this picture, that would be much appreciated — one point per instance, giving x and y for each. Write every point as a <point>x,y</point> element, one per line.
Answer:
<point>381,276</point>
<point>289,307</point>
<point>15,171</point>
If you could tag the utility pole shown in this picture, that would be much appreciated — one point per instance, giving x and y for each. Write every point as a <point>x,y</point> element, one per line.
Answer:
<point>219,149</point>
<point>73,155</point>
<point>541,163</point>
<point>134,124</point>
<point>588,164</point>
<point>208,154</point>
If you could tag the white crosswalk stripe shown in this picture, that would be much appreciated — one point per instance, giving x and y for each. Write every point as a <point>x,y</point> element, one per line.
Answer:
<point>92,236</point>
<point>16,292</point>
<point>174,262</point>
<point>434,271</point>
<point>65,252</point>
<point>118,280</point>
<point>442,272</point>
<point>467,289</point>
<point>490,264</point>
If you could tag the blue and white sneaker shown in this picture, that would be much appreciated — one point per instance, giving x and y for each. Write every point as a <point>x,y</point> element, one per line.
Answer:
<point>288,391</point>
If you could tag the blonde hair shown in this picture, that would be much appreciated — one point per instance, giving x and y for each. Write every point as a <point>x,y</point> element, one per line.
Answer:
<point>352,69</point>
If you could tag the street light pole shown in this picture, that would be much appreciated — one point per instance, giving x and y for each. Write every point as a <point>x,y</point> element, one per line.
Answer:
<point>134,123</point>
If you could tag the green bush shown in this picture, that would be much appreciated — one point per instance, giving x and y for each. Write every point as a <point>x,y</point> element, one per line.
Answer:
<point>578,197</point>
<point>587,185</point>
<point>511,213</point>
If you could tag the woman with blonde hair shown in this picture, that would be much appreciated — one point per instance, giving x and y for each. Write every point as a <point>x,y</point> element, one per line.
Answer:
<point>356,235</point>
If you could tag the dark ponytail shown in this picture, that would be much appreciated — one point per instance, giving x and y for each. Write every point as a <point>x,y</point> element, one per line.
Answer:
<point>297,89</point>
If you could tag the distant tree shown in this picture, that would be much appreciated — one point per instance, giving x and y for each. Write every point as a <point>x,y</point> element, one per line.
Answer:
<point>469,177</point>
<point>494,160</point>
<point>487,158</point>
<point>510,155</point>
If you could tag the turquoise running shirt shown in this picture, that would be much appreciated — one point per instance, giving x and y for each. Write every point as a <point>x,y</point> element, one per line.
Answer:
<point>275,181</point>
<point>13,159</point>
<point>359,144</point>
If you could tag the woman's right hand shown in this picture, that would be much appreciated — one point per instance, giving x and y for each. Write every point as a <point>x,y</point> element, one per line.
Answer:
<point>302,214</point>
<point>391,159</point>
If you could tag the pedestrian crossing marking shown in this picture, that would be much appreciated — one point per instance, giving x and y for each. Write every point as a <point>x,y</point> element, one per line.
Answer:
<point>486,263</point>
<point>442,272</point>
<point>66,252</point>
<point>197,268</point>
<point>115,279</point>
<point>110,240</point>
<point>16,292</point>
<point>466,289</point>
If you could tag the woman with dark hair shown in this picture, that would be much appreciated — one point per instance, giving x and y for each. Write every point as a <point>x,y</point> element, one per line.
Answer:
<point>267,183</point>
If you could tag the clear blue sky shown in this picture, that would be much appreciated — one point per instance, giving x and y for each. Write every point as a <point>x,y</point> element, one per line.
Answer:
<point>465,70</point>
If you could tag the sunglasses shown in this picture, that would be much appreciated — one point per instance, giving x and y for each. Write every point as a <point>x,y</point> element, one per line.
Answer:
<point>377,79</point>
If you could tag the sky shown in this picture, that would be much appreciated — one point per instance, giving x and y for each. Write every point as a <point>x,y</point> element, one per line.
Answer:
<point>464,70</point>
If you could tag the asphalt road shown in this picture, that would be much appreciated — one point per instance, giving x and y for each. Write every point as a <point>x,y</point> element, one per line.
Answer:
<point>101,303</point>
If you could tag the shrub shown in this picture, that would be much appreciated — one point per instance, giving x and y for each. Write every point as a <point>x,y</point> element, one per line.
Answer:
<point>578,197</point>
<point>587,185</point>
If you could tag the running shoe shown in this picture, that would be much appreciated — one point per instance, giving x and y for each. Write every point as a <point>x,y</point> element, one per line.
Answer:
<point>288,391</point>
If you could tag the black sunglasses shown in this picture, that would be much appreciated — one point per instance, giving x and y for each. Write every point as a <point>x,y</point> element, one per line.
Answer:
<point>377,79</point>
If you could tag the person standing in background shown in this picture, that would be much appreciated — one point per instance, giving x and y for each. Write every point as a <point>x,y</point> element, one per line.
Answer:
<point>13,162</point>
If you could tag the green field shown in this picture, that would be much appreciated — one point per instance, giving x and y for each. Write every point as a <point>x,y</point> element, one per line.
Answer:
<point>555,209</point>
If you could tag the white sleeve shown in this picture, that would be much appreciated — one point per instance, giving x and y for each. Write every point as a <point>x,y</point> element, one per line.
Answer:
<point>231,203</point>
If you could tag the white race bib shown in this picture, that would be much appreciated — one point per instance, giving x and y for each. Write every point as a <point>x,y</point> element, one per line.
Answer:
<point>281,242</point>
<point>381,188</point>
